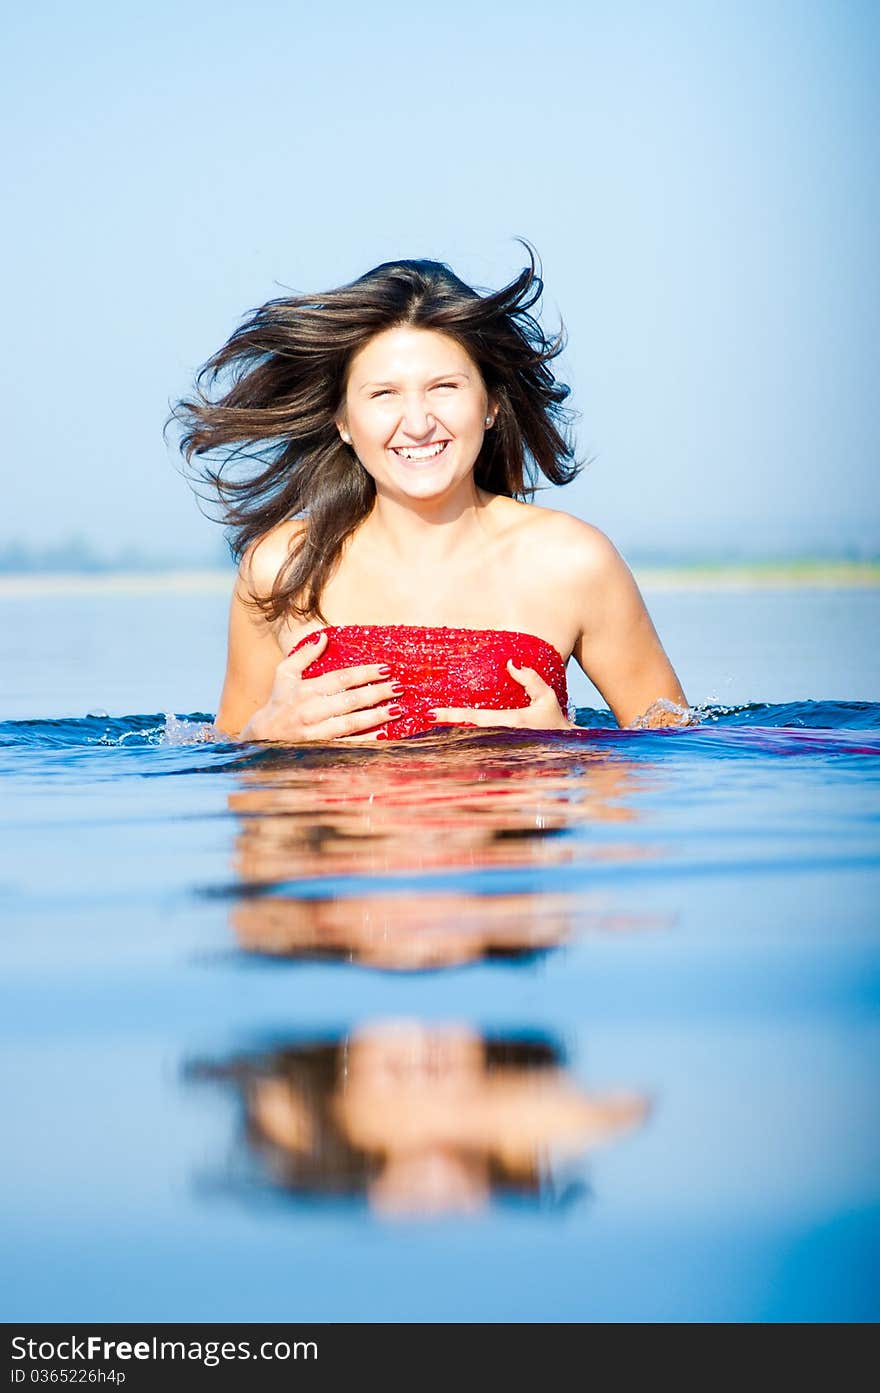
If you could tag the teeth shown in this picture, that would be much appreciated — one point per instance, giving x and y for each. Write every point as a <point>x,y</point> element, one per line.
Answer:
<point>425,452</point>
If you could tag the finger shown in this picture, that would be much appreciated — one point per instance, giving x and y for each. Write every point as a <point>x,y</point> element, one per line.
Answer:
<point>462,715</point>
<point>323,706</point>
<point>354,723</point>
<point>296,662</point>
<point>344,677</point>
<point>534,685</point>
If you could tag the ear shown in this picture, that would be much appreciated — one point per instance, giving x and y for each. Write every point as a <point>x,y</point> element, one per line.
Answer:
<point>343,432</point>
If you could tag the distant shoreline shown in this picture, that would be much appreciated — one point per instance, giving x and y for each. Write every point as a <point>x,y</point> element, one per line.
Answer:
<point>762,575</point>
<point>795,575</point>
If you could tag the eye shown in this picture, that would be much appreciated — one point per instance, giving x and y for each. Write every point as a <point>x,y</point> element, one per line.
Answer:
<point>385,392</point>
<point>445,384</point>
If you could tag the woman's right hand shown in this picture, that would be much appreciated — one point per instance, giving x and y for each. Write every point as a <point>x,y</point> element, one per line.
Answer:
<point>341,705</point>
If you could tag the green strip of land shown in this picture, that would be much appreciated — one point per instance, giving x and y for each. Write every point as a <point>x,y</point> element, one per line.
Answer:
<point>759,575</point>
<point>751,575</point>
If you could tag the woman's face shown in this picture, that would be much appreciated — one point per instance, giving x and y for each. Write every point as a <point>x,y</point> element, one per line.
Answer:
<point>415,411</point>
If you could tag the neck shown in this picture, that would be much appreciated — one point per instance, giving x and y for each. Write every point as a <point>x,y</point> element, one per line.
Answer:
<point>429,532</point>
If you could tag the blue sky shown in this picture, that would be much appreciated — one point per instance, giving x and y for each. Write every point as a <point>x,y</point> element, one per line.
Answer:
<point>700,180</point>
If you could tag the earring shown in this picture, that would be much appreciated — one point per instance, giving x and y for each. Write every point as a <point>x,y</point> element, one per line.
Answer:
<point>346,438</point>
<point>488,421</point>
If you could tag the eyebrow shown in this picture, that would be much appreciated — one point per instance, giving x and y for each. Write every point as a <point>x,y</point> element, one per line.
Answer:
<point>441,377</point>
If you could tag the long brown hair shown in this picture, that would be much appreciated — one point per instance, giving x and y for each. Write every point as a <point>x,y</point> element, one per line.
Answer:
<point>264,411</point>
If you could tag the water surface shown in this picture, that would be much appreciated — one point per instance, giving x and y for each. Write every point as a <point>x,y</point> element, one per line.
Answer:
<point>476,1026</point>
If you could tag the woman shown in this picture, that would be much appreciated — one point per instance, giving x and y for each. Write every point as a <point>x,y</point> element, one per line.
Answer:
<point>392,578</point>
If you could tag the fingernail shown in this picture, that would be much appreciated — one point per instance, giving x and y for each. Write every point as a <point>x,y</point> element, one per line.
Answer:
<point>395,710</point>
<point>384,670</point>
<point>397,688</point>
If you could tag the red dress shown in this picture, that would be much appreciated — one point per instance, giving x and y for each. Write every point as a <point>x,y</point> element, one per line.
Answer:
<point>441,667</point>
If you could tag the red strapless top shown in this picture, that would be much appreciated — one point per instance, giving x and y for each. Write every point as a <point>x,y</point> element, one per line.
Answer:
<point>441,667</point>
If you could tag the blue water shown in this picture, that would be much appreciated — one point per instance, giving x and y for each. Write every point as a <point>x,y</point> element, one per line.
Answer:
<point>496,1027</point>
<point>580,1026</point>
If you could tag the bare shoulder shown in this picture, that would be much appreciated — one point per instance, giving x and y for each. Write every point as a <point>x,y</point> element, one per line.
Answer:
<point>560,541</point>
<point>265,557</point>
<point>587,587</point>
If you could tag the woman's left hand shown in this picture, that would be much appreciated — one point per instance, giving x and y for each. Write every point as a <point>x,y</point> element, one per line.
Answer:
<point>542,713</point>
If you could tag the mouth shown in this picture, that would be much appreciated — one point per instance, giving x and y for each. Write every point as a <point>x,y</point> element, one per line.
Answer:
<point>420,454</point>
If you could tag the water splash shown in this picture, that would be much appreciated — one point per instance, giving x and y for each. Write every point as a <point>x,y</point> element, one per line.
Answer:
<point>108,732</point>
<point>665,713</point>
<point>190,730</point>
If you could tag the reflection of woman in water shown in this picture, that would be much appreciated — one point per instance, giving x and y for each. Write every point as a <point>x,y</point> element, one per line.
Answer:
<point>469,812</point>
<point>390,432</point>
<point>420,1119</point>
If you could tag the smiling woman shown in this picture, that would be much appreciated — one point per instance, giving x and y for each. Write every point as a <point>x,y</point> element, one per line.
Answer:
<point>373,449</point>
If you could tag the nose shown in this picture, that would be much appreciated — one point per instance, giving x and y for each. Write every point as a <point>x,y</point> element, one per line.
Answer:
<point>417,421</point>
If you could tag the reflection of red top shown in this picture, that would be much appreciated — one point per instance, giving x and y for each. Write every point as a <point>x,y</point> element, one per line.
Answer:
<point>441,667</point>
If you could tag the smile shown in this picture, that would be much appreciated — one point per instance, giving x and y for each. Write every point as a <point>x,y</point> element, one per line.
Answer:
<point>420,452</point>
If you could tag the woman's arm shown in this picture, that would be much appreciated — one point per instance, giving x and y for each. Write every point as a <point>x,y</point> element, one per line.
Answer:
<point>253,653</point>
<point>267,696</point>
<point>617,646</point>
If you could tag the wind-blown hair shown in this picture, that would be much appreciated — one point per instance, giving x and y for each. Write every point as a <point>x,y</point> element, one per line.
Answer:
<point>264,410</point>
